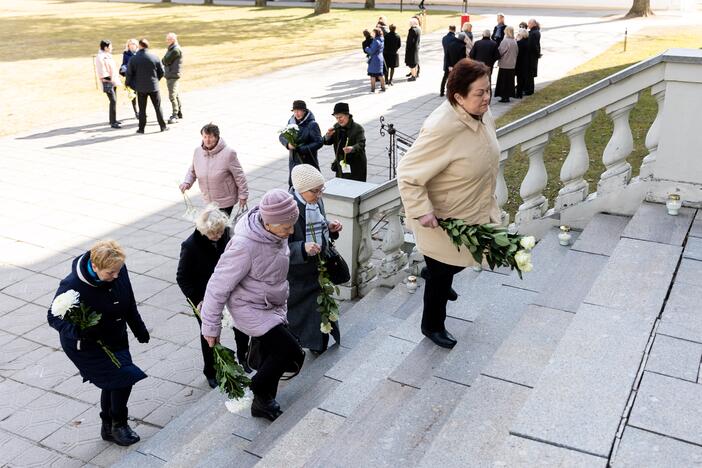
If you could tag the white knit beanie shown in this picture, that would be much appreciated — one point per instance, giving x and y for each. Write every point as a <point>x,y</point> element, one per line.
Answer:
<point>306,177</point>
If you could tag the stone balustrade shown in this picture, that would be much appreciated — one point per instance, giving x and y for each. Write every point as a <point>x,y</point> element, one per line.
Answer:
<point>672,164</point>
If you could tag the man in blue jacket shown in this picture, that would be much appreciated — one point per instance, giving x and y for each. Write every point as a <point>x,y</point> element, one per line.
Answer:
<point>309,138</point>
<point>143,74</point>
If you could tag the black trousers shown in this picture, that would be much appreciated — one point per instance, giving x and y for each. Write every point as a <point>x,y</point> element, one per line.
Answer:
<point>113,404</point>
<point>505,83</point>
<point>521,84</point>
<point>281,350</point>
<point>436,293</point>
<point>529,84</point>
<point>156,101</point>
<point>443,82</point>
<point>112,97</point>
<point>242,350</point>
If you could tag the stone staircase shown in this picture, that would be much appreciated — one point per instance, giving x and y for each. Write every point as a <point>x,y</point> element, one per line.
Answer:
<point>545,373</point>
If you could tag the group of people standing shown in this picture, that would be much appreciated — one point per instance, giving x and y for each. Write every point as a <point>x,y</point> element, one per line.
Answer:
<point>517,56</point>
<point>142,71</point>
<point>381,46</point>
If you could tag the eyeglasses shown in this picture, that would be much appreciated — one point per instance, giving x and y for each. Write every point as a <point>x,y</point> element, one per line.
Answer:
<point>317,191</point>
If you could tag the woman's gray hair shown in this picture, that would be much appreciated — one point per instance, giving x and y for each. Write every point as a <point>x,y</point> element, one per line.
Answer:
<point>211,219</point>
<point>509,32</point>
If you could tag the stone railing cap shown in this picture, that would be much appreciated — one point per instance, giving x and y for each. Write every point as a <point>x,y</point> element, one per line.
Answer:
<point>345,188</point>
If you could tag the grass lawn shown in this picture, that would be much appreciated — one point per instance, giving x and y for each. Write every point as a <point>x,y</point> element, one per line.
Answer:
<point>641,46</point>
<point>46,48</point>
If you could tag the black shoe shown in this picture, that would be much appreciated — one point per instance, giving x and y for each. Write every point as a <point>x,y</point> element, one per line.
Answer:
<point>118,122</point>
<point>409,74</point>
<point>106,429</point>
<point>140,131</point>
<point>212,382</point>
<point>164,129</point>
<point>411,78</point>
<point>442,338</point>
<point>180,115</point>
<point>424,273</point>
<point>124,435</point>
<point>269,409</point>
<point>116,125</point>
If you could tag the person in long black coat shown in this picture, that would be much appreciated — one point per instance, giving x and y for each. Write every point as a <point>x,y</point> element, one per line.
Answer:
<point>199,255</point>
<point>521,70</point>
<point>451,34</point>
<point>101,279</point>
<point>412,49</point>
<point>143,74</point>
<point>304,318</point>
<point>534,46</point>
<point>486,50</point>
<point>392,58</point>
<point>309,138</point>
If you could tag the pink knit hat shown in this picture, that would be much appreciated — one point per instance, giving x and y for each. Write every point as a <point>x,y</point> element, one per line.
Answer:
<point>278,207</point>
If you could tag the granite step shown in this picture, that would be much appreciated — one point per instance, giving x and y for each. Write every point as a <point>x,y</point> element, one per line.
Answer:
<point>578,401</point>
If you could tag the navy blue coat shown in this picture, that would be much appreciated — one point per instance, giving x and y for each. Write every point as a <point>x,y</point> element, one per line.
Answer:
<point>126,56</point>
<point>309,140</point>
<point>444,43</point>
<point>375,56</point>
<point>115,301</point>
<point>144,71</point>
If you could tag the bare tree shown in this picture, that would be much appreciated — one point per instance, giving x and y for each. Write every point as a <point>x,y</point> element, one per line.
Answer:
<point>370,4</point>
<point>322,6</point>
<point>260,3</point>
<point>640,8</point>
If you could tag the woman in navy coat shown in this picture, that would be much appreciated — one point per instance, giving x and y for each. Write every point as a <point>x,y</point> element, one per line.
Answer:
<point>101,279</point>
<point>375,60</point>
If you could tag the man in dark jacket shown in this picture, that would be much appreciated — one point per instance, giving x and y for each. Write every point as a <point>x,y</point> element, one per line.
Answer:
<point>534,49</point>
<point>171,62</point>
<point>455,52</point>
<point>349,142</point>
<point>485,50</point>
<point>143,73</point>
<point>309,138</point>
<point>444,43</point>
<point>498,33</point>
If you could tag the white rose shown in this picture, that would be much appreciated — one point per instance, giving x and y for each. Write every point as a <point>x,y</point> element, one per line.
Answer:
<point>334,317</point>
<point>527,242</point>
<point>325,328</point>
<point>64,302</point>
<point>523,259</point>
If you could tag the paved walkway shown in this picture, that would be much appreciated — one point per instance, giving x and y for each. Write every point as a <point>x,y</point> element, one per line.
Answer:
<point>63,188</point>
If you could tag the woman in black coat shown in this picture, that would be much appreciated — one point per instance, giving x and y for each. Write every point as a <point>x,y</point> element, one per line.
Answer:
<point>100,278</point>
<point>199,255</point>
<point>521,70</point>
<point>412,49</point>
<point>303,316</point>
<point>392,58</point>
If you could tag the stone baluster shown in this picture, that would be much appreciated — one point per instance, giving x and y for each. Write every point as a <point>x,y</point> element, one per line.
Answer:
<point>366,270</point>
<point>501,192</point>
<point>575,188</point>
<point>654,133</point>
<point>619,147</point>
<point>533,185</point>
<point>395,259</point>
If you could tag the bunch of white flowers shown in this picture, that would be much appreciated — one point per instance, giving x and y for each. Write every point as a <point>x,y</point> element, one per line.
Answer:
<point>64,302</point>
<point>523,257</point>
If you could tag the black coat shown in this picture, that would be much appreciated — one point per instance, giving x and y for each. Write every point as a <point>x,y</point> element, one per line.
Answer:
<point>412,47</point>
<point>498,33</point>
<point>485,50</point>
<point>534,43</point>
<point>198,259</point>
<point>522,67</point>
<point>392,45</point>
<point>455,51</point>
<point>309,140</point>
<point>444,44</point>
<point>144,71</point>
<point>304,318</point>
<point>365,44</point>
<point>350,135</point>
<point>114,300</point>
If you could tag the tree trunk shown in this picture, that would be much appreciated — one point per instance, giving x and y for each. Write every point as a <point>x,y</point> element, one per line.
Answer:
<point>640,8</point>
<point>209,2</point>
<point>260,3</point>
<point>370,4</point>
<point>322,6</point>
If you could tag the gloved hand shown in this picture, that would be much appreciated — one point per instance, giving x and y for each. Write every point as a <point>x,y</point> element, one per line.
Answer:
<point>143,337</point>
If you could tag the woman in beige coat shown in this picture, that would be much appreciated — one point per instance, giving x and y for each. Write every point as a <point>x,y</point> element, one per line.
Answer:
<point>450,172</point>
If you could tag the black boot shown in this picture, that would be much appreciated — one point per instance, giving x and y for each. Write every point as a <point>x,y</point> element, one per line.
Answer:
<point>453,295</point>
<point>265,409</point>
<point>106,429</point>
<point>212,382</point>
<point>243,361</point>
<point>124,435</point>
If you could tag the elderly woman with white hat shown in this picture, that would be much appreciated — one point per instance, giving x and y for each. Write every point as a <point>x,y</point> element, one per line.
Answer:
<point>312,236</point>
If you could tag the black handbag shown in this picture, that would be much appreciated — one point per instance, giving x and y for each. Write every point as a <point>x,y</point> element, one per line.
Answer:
<point>256,356</point>
<point>337,268</point>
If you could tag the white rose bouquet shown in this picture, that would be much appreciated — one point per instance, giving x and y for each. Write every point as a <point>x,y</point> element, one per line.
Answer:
<point>491,243</point>
<point>291,133</point>
<point>67,306</point>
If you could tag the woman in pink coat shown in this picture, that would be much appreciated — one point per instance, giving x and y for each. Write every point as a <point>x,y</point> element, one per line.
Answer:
<point>218,172</point>
<point>251,280</point>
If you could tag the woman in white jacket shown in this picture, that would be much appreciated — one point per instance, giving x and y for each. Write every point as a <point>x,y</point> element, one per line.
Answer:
<point>108,75</point>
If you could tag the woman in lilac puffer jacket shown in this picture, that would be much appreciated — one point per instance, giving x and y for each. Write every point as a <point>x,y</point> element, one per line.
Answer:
<point>251,280</point>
